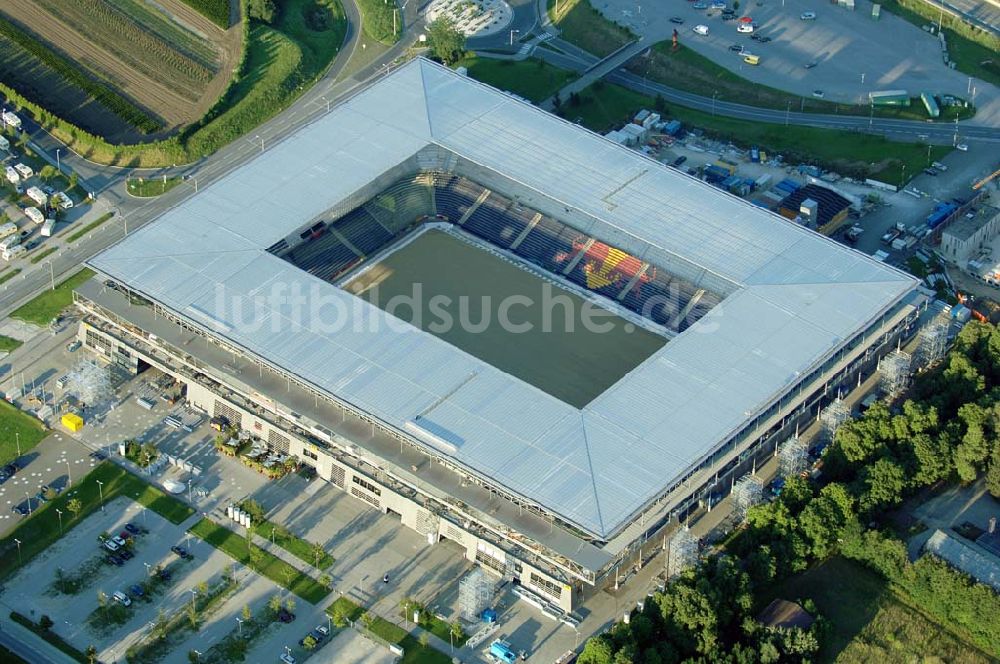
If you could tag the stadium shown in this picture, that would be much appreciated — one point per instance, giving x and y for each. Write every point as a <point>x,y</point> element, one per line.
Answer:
<point>551,453</point>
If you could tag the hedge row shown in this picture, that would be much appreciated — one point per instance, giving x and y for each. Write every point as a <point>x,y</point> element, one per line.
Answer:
<point>107,97</point>
<point>217,11</point>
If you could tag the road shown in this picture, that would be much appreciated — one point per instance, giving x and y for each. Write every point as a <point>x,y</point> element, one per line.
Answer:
<point>109,182</point>
<point>575,59</point>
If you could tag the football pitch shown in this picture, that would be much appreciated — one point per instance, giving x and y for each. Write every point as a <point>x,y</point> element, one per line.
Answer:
<point>508,317</point>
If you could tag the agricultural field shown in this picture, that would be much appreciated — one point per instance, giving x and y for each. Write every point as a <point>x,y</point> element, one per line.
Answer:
<point>164,63</point>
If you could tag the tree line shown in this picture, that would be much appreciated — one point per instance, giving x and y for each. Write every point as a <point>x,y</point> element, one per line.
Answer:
<point>946,431</point>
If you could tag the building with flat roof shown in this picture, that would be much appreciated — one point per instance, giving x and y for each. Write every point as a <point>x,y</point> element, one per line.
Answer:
<point>244,293</point>
<point>969,236</point>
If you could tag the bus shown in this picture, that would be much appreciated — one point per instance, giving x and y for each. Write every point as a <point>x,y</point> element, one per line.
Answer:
<point>889,98</point>
<point>930,104</point>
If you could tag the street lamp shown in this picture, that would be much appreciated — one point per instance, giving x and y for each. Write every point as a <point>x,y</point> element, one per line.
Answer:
<point>190,499</point>
<point>239,623</point>
<point>714,95</point>
<point>194,593</point>
<point>512,36</point>
<point>69,470</point>
<point>788,111</point>
<point>28,496</point>
<point>17,437</point>
<point>149,569</point>
<point>258,137</point>
<point>100,491</point>
<point>58,164</point>
<point>18,550</point>
<point>59,512</point>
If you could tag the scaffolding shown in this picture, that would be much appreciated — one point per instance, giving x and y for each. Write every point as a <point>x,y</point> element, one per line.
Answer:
<point>475,592</point>
<point>832,417</point>
<point>747,492</point>
<point>682,552</point>
<point>895,370</point>
<point>933,341</point>
<point>90,383</point>
<point>793,457</point>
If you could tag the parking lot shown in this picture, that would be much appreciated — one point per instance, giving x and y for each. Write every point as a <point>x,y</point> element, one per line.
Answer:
<point>855,54</point>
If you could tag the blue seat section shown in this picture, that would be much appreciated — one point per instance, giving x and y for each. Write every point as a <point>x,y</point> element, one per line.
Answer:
<point>494,222</point>
<point>324,256</point>
<point>549,244</point>
<point>363,231</point>
<point>454,196</point>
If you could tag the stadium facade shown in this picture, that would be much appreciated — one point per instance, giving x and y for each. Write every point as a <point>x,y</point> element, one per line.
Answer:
<point>763,320</point>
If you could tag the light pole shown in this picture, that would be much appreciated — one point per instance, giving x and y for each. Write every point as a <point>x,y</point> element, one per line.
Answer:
<point>239,624</point>
<point>258,137</point>
<point>58,163</point>
<point>59,512</point>
<point>903,177</point>
<point>714,95</point>
<point>788,111</point>
<point>149,569</point>
<point>17,437</point>
<point>28,496</point>
<point>18,542</point>
<point>190,499</point>
<point>512,36</point>
<point>100,491</point>
<point>194,594</point>
<point>69,473</point>
<point>871,116</point>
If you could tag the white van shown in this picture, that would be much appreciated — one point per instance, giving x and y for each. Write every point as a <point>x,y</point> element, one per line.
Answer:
<point>10,228</point>
<point>13,252</point>
<point>47,227</point>
<point>34,214</point>
<point>24,170</point>
<point>701,30</point>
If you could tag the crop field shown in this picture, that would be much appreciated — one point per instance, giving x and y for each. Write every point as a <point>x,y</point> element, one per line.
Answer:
<point>168,62</point>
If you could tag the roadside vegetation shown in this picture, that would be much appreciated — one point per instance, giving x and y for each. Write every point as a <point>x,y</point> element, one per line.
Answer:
<point>602,107</point>
<point>42,255</point>
<point>89,227</point>
<point>46,306</point>
<point>40,530</point>
<point>43,628</point>
<point>234,646</point>
<point>280,61</point>
<point>9,274</point>
<point>19,430</point>
<point>943,433</point>
<point>585,27</point>
<point>260,561</point>
<point>974,50</point>
<point>7,344</point>
<point>512,76</point>
<point>377,20</point>
<point>687,70</point>
<point>150,187</point>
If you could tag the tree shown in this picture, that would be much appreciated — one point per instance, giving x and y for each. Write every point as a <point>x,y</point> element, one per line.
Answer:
<point>192,614</point>
<point>318,552</point>
<point>193,656</point>
<point>309,642</point>
<point>274,603</point>
<point>597,651</point>
<point>256,556</point>
<point>338,616</point>
<point>424,638</point>
<point>736,5</point>
<point>254,509</point>
<point>262,10</point>
<point>447,41</point>
<point>883,483</point>
<point>74,505</point>
<point>202,588</point>
<point>290,605</point>
<point>73,179</point>
<point>91,654</point>
<point>247,615</point>
<point>455,630</point>
<point>367,620</point>
<point>325,580</point>
<point>102,599</point>
<point>47,173</point>
<point>45,622</point>
<point>993,472</point>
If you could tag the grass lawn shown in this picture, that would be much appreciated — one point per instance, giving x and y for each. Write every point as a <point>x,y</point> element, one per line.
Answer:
<point>8,344</point>
<point>534,80</point>
<point>13,421</point>
<point>869,622</point>
<point>377,21</point>
<point>296,546</point>
<point>10,274</point>
<point>149,187</point>
<point>414,652</point>
<point>51,637</point>
<point>41,529</point>
<point>89,227</point>
<point>685,69</point>
<point>270,566</point>
<point>604,106</point>
<point>584,26</point>
<point>38,258</point>
<point>47,306</point>
<point>974,51</point>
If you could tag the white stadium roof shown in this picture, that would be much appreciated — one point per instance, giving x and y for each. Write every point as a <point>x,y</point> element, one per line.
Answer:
<point>796,296</point>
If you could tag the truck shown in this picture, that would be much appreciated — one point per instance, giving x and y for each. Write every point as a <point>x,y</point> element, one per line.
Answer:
<point>11,120</point>
<point>34,214</point>
<point>48,227</point>
<point>854,233</point>
<point>891,235</point>
<point>938,165</point>
<point>37,195</point>
<point>8,229</point>
<point>24,170</point>
<point>11,253</point>
<point>502,651</point>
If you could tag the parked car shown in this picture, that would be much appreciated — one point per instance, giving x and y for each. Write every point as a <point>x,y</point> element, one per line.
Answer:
<point>31,244</point>
<point>126,554</point>
<point>718,4</point>
<point>700,5</point>
<point>137,591</point>
<point>819,94</point>
<point>19,509</point>
<point>112,559</point>
<point>677,20</point>
<point>120,541</point>
<point>287,659</point>
<point>182,552</point>
<point>931,171</point>
<point>164,575</point>
<point>110,545</point>
<point>701,30</point>
<point>808,16</point>
<point>286,616</point>
<point>121,598</point>
<point>680,160</point>
<point>963,147</point>
<point>135,530</point>
<point>74,346</point>
<point>736,48</point>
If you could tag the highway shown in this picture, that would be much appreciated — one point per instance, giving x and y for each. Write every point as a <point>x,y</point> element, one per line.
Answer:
<point>575,59</point>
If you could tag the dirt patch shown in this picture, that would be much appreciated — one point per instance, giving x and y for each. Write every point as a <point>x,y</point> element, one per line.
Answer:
<point>175,100</point>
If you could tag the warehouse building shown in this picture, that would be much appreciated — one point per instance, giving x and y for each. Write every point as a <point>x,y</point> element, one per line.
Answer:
<point>758,321</point>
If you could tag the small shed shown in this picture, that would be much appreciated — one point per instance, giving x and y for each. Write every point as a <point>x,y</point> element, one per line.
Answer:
<point>786,615</point>
<point>72,421</point>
